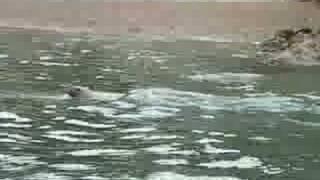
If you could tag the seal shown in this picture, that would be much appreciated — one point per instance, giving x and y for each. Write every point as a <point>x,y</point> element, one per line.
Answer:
<point>81,92</point>
<point>78,92</point>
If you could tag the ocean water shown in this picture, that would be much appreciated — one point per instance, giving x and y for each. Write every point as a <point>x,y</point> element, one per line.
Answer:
<point>191,109</point>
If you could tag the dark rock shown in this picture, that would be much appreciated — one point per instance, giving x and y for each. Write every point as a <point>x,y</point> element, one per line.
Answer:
<point>287,46</point>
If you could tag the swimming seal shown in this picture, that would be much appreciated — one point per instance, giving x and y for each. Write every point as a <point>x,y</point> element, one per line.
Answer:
<point>78,92</point>
<point>81,92</point>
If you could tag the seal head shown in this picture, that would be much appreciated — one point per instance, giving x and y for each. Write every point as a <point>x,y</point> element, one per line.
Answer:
<point>77,91</point>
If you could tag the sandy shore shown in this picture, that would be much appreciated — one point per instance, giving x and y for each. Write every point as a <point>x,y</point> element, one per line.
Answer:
<point>179,18</point>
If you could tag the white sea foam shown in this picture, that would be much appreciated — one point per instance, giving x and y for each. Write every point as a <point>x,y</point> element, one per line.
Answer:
<point>165,97</point>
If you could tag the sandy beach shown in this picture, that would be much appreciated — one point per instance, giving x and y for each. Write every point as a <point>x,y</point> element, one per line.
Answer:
<point>160,18</point>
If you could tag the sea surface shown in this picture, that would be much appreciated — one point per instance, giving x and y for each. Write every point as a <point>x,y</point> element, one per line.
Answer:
<point>192,108</point>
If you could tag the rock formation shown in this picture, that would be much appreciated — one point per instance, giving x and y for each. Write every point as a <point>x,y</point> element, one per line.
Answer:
<point>291,47</point>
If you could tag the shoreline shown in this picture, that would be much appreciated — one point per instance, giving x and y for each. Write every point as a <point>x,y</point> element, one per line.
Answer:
<point>252,20</point>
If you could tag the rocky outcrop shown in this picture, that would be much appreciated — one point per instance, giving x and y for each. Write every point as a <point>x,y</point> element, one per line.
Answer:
<point>291,47</point>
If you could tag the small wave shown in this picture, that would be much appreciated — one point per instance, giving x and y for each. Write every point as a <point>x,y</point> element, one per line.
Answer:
<point>216,133</point>
<point>66,132</point>
<point>157,112</point>
<point>13,125</point>
<point>35,96</point>
<point>8,115</point>
<point>20,160</point>
<point>198,131</point>
<point>107,112</point>
<point>135,130</point>
<point>99,152</point>
<point>213,150</point>
<point>134,136</point>
<point>48,176</point>
<point>171,162</point>
<point>227,77</point>
<point>310,96</point>
<point>93,177</point>
<point>175,176</point>
<point>72,167</point>
<point>166,149</point>
<point>241,56</point>
<point>16,137</point>
<point>157,137</point>
<point>161,149</point>
<point>174,98</point>
<point>260,139</point>
<point>68,136</point>
<point>123,105</point>
<point>273,103</point>
<point>242,163</point>
<point>59,118</point>
<point>91,125</point>
<point>55,64</point>
<point>166,97</point>
<point>271,170</point>
<point>7,140</point>
<point>42,58</point>
<point>207,140</point>
<point>3,56</point>
<point>150,112</point>
<point>207,116</point>
<point>151,137</point>
<point>303,123</point>
<point>72,139</point>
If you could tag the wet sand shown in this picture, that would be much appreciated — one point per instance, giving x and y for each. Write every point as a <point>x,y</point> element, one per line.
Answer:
<point>157,18</point>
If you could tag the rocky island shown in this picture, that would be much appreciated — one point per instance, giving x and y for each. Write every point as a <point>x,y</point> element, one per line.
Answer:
<point>291,47</point>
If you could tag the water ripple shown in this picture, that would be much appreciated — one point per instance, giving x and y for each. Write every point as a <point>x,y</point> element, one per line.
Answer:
<point>175,176</point>
<point>8,115</point>
<point>105,152</point>
<point>245,162</point>
<point>72,167</point>
<point>86,124</point>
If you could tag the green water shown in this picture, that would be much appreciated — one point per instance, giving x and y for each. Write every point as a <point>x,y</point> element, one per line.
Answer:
<point>191,110</point>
